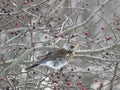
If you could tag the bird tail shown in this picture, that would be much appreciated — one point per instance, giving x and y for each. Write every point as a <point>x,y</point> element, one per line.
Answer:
<point>34,65</point>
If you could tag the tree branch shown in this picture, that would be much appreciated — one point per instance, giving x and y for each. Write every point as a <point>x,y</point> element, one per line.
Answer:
<point>20,59</point>
<point>87,20</point>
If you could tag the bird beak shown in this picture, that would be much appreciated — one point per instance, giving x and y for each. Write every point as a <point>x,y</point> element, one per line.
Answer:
<point>76,46</point>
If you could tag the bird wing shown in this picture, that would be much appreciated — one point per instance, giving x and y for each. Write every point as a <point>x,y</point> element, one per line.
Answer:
<point>58,53</point>
<point>51,56</point>
<point>57,64</point>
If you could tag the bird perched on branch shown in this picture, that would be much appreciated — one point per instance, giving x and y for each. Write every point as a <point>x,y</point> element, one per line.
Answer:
<point>56,59</point>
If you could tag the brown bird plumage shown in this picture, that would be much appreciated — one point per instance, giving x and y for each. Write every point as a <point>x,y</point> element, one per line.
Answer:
<point>52,59</point>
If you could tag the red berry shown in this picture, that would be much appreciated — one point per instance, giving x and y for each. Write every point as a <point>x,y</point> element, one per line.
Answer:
<point>118,20</point>
<point>58,76</point>
<point>86,33</point>
<point>1,78</point>
<point>101,84</point>
<point>11,32</point>
<point>79,83</point>
<point>16,24</point>
<point>72,69</point>
<point>62,36</point>
<point>79,77</point>
<point>34,72</point>
<point>75,68</point>
<point>96,81</point>
<point>46,37</point>
<point>68,83</point>
<point>102,28</point>
<point>25,2</point>
<point>15,33</point>
<point>107,38</point>
<point>118,28</point>
<point>83,88</point>
<point>55,36</point>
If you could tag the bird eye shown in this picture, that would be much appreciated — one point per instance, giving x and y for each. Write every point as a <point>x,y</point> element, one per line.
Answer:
<point>72,47</point>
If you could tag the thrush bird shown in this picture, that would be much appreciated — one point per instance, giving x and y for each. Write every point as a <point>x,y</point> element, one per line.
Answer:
<point>56,59</point>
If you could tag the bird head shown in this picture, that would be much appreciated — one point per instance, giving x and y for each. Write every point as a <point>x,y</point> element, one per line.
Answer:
<point>72,47</point>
